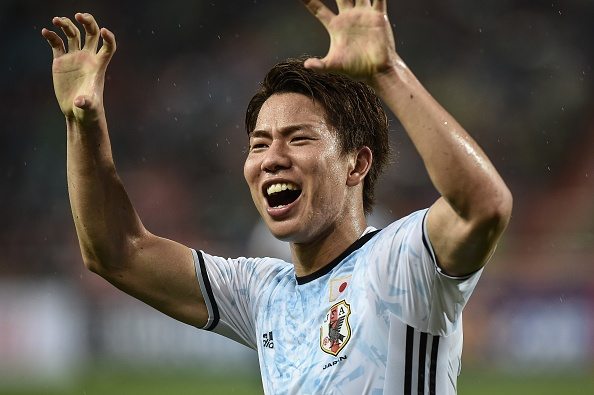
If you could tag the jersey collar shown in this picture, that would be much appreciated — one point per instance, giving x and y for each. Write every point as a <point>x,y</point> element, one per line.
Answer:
<point>367,235</point>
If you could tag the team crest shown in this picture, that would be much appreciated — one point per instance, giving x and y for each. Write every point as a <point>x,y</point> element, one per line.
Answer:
<point>335,331</point>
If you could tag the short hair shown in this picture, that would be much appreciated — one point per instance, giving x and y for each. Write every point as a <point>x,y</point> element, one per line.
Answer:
<point>352,108</point>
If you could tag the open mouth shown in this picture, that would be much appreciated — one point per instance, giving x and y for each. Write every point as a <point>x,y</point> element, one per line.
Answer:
<point>281,194</point>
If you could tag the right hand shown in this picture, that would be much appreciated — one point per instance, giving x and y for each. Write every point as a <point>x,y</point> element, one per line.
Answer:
<point>79,73</point>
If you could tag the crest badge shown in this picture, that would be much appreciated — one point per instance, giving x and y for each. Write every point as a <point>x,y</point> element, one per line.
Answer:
<point>335,331</point>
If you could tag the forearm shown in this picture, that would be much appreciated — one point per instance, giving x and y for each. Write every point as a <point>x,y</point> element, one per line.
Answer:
<point>457,166</point>
<point>104,218</point>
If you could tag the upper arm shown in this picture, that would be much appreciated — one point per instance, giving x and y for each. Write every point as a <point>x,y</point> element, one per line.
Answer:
<point>161,273</point>
<point>463,245</point>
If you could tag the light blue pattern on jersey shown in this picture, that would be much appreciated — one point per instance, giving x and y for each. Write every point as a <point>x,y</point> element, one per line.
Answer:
<point>398,301</point>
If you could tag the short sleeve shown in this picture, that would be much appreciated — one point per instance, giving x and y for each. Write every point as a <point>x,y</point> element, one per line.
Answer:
<point>408,281</point>
<point>234,289</point>
<point>225,286</point>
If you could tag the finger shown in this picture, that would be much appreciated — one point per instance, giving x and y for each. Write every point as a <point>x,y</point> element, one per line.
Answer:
<point>109,44</point>
<point>70,30</point>
<point>91,31</point>
<point>380,5</point>
<point>319,10</point>
<point>54,41</point>
<point>344,4</point>
<point>363,3</point>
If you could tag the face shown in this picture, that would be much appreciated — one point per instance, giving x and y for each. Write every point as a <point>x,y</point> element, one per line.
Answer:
<point>295,170</point>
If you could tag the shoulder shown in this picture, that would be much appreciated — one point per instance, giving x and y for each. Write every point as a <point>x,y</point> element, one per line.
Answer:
<point>407,222</point>
<point>402,231</point>
<point>254,267</point>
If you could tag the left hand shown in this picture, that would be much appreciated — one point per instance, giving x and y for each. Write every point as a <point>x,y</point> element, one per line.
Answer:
<point>79,72</point>
<point>361,39</point>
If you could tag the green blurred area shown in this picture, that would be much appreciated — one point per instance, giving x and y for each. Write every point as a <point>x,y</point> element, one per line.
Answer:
<point>490,383</point>
<point>130,381</point>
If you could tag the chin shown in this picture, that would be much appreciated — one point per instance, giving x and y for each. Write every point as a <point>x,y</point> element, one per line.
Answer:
<point>288,231</point>
<point>292,234</point>
<point>282,234</point>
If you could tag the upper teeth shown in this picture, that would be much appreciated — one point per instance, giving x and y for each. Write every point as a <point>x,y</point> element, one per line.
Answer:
<point>274,188</point>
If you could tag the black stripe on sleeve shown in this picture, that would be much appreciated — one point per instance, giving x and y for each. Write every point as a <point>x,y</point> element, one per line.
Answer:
<point>426,240</point>
<point>410,333</point>
<point>422,354</point>
<point>210,295</point>
<point>433,366</point>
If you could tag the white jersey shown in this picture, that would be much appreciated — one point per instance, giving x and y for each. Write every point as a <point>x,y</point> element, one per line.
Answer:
<point>379,319</point>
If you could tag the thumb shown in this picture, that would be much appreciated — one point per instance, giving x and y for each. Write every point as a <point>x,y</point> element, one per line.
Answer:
<point>87,108</point>
<point>84,102</point>
<point>315,64</point>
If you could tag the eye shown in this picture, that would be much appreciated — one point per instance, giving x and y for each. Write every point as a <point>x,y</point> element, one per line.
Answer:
<point>300,139</point>
<point>258,143</point>
<point>258,146</point>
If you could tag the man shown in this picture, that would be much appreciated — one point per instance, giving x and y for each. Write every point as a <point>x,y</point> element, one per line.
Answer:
<point>358,310</point>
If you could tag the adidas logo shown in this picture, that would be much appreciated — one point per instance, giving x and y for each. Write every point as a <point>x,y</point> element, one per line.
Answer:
<point>267,340</point>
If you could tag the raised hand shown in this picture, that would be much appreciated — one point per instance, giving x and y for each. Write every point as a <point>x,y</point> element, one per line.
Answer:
<point>79,73</point>
<point>361,39</point>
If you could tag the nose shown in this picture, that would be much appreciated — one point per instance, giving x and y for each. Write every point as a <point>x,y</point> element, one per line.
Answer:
<point>276,158</point>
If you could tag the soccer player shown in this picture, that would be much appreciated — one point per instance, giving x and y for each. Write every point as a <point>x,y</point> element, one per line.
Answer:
<point>359,310</point>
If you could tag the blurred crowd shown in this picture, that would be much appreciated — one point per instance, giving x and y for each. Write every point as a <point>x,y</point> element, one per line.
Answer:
<point>517,74</point>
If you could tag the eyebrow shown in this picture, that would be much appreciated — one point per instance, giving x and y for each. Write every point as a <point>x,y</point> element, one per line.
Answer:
<point>287,130</point>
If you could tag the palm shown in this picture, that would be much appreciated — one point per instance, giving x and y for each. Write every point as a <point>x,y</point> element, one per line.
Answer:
<point>76,74</point>
<point>361,42</point>
<point>361,39</point>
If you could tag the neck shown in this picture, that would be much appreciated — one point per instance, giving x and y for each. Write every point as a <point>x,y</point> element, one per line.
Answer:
<point>309,257</point>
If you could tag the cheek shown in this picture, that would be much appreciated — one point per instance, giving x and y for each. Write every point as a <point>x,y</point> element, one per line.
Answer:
<point>249,172</point>
<point>250,176</point>
<point>245,173</point>
<point>335,171</point>
<point>331,184</point>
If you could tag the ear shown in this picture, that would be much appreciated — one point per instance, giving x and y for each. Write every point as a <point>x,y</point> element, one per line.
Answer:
<point>361,165</point>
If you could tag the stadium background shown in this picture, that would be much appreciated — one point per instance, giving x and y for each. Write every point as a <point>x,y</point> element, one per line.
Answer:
<point>517,74</point>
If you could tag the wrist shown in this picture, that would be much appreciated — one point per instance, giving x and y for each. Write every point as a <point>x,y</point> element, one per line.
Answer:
<point>88,125</point>
<point>396,82</point>
<point>397,72</point>
<point>85,118</point>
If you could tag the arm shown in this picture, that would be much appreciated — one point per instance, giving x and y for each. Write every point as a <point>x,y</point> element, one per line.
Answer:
<point>465,223</point>
<point>113,241</point>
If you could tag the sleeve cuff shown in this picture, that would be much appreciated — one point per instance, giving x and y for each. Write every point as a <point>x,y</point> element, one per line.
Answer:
<point>429,247</point>
<point>206,289</point>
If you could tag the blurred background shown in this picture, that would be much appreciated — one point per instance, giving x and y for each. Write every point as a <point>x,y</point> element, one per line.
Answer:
<point>517,74</point>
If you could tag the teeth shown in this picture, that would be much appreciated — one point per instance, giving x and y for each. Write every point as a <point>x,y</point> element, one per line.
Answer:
<point>274,188</point>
